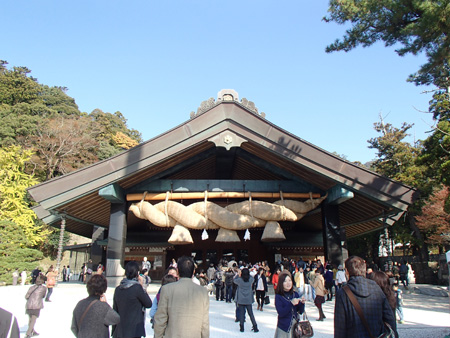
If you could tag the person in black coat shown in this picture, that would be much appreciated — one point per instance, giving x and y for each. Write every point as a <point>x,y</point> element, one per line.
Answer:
<point>372,300</point>
<point>34,274</point>
<point>93,315</point>
<point>130,300</point>
<point>260,286</point>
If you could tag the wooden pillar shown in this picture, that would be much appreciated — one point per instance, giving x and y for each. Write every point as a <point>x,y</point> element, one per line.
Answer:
<point>98,234</point>
<point>116,240</point>
<point>334,239</point>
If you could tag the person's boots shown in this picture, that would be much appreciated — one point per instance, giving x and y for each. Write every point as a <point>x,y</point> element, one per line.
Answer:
<point>258,307</point>
<point>242,327</point>
<point>320,319</point>
<point>255,328</point>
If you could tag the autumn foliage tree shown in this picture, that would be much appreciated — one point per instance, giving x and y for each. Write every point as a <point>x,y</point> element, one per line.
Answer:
<point>19,233</point>
<point>14,206</point>
<point>435,220</point>
<point>62,145</point>
<point>43,134</point>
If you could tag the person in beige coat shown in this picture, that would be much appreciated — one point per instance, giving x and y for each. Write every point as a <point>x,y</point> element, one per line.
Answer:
<point>35,302</point>
<point>183,308</point>
<point>319,286</point>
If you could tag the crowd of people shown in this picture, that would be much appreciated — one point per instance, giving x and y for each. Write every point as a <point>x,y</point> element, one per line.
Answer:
<point>366,299</point>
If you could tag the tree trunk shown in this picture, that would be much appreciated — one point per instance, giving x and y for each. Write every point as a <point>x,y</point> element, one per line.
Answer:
<point>423,249</point>
<point>423,272</point>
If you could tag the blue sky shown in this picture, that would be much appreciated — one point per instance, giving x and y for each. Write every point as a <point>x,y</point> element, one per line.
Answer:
<point>156,61</point>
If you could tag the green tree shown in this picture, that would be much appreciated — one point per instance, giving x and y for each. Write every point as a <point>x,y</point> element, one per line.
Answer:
<point>31,114</point>
<point>13,251</point>
<point>114,135</point>
<point>414,26</point>
<point>51,242</point>
<point>397,159</point>
<point>436,152</point>
<point>14,206</point>
<point>365,246</point>
<point>16,86</point>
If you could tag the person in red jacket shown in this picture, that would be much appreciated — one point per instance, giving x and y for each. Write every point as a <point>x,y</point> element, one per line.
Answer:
<point>275,278</point>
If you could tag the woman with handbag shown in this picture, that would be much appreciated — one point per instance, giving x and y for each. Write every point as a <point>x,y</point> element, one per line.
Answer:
<point>93,315</point>
<point>288,304</point>
<point>260,286</point>
<point>35,303</point>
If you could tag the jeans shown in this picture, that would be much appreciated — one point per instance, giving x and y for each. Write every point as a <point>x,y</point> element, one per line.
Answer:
<point>249,309</point>
<point>400,312</point>
<point>219,292</point>
<point>229,293</point>
<point>49,293</point>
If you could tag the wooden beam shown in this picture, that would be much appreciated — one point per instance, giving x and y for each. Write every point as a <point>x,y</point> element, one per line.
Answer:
<point>218,185</point>
<point>216,194</point>
<point>113,193</point>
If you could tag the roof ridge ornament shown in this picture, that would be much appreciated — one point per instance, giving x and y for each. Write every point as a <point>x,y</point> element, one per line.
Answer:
<point>204,107</point>
<point>226,95</point>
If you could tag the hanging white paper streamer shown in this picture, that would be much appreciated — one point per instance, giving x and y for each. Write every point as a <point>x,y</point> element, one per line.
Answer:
<point>247,235</point>
<point>205,235</point>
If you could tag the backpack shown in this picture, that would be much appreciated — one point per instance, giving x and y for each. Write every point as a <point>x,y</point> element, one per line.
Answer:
<point>219,278</point>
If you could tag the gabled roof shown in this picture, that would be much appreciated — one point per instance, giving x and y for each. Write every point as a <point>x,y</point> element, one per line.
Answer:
<point>226,139</point>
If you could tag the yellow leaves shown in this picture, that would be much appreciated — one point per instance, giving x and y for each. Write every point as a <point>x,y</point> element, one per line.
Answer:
<point>124,141</point>
<point>13,204</point>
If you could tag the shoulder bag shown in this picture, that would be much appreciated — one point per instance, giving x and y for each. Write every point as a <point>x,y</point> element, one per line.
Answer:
<point>84,313</point>
<point>388,331</point>
<point>302,327</point>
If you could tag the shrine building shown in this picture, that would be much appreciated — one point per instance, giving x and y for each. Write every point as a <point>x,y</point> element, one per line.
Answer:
<point>226,183</point>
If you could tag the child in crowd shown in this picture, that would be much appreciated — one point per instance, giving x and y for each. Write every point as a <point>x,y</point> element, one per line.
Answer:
<point>399,298</point>
<point>165,280</point>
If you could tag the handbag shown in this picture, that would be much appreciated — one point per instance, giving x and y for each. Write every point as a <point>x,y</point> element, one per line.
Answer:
<point>266,300</point>
<point>388,331</point>
<point>302,327</point>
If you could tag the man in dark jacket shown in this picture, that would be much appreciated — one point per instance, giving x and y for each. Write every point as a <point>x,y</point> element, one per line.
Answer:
<point>403,271</point>
<point>375,306</point>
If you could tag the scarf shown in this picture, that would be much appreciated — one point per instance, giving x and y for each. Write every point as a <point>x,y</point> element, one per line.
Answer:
<point>128,283</point>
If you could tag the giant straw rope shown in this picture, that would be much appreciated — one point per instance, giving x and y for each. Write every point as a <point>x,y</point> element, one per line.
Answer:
<point>238,216</point>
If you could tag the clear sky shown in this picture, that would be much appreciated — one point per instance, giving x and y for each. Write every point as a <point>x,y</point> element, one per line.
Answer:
<point>156,61</point>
